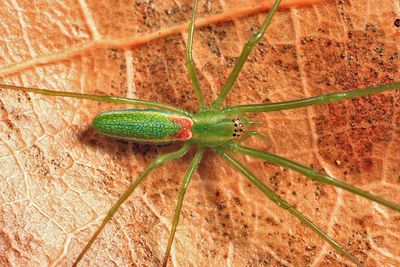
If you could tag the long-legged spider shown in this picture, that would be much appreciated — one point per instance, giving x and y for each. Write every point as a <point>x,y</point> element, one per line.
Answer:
<point>338,161</point>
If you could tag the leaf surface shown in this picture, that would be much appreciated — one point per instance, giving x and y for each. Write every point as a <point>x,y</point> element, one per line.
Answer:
<point>58,178</point>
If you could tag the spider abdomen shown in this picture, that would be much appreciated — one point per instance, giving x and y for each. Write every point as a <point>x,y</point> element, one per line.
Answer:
<point>143,125</point>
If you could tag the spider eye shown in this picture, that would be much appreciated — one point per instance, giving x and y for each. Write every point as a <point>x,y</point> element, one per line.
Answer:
<point>238,127</point>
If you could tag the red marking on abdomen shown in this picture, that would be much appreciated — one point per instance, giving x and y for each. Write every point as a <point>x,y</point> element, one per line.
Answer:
<point>185,128</point>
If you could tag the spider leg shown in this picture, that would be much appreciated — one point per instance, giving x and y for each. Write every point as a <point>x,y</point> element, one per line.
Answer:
<point>158,161</point>
<point>316,100</point>
<point>283,204</point>
<point>99,98</point>
<point>189,59</point>
<point>182,191</point>
<point>244,55</point>
<point>313,175</point>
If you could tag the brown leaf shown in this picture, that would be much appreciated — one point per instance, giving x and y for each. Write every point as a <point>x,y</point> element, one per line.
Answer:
<point>58,178</point>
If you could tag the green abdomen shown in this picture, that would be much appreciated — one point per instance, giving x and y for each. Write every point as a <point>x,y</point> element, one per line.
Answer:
<point>145,125</point>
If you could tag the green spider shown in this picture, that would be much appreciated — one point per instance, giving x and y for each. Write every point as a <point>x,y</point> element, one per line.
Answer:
<point>221,129</point>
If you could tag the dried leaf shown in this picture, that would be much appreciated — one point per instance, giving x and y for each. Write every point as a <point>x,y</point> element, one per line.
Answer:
<point>58,178</point>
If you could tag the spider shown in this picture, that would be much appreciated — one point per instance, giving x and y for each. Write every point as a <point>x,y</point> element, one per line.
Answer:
<point>237,124</point>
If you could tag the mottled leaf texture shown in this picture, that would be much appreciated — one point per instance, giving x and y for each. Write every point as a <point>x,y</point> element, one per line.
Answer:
<point>58,178</point>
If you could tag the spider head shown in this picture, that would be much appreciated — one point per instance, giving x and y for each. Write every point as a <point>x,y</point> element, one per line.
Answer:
<point>238,128</point>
